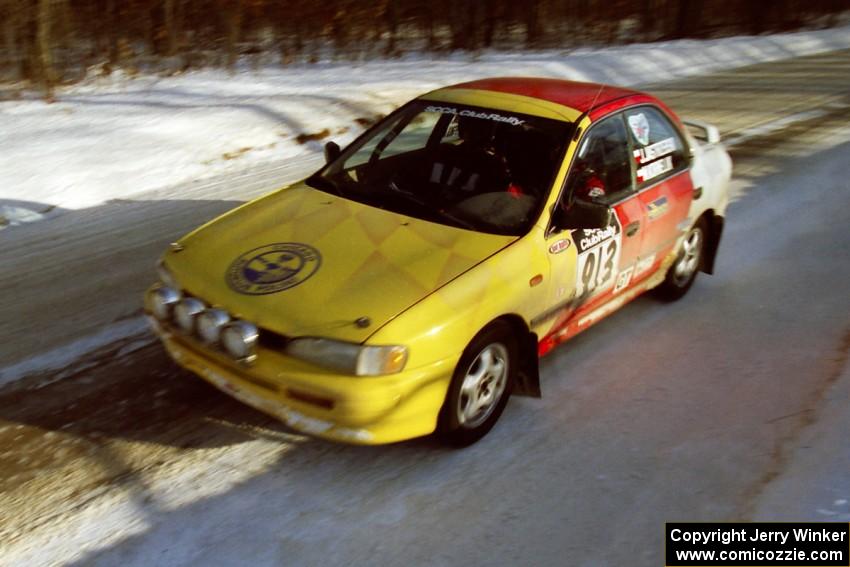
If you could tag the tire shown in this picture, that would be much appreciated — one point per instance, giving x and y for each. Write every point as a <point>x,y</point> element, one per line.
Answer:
<point>682,273</point>
<point>480,388</point>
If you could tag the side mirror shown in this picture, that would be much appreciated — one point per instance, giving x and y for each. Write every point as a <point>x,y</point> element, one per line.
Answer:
<point>582,214</point>
<point>332,151</point>
<point>703,131</point>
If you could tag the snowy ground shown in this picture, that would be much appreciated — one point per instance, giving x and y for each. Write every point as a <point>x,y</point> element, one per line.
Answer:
<point>115,137</point>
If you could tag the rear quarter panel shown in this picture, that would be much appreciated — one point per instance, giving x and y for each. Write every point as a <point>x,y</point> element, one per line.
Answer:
<point>711,170</point>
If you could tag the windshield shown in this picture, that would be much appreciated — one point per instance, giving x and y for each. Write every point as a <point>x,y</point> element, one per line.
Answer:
<point>480,169</point>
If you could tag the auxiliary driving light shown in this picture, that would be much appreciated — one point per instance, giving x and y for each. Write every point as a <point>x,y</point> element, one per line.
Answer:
<point>210,323</point>
<point>161,300</point>
<point>239,339</point>
<point>185,313</point>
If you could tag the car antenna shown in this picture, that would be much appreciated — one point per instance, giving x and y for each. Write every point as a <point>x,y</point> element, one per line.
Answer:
<point>599,92</point>
<point>587,112</point>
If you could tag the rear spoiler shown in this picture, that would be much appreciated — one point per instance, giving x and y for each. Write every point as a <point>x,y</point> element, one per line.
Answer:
<point>703,131</point>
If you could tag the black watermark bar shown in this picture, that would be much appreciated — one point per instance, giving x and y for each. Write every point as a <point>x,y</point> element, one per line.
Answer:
<point>764,544</point>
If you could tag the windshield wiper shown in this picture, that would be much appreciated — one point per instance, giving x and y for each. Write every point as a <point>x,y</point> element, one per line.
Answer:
<point>324,184</point>
<point>442,214</point>
<point>464,223</point>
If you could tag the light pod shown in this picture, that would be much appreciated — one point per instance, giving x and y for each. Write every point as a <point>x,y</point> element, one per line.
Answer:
<point>210,324</point>
<point>239,339</point>
<point>161,301</point>
<point>185,313</point>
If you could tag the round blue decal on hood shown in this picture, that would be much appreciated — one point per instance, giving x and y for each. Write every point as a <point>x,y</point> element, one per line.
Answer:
<point>272,268</point>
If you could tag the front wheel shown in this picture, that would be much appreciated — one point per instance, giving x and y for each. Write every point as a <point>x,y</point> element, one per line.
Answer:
<point>480,387</point>
<point>681,275</point>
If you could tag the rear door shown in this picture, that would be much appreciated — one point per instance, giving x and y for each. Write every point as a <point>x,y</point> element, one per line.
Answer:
<point>664,185</point>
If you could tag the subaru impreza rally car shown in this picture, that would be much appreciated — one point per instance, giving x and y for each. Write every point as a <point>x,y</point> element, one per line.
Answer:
<point>410,285</point>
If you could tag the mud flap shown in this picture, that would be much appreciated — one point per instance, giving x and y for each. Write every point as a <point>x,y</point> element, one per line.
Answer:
<point>528,378</point>
<point>715,231</point>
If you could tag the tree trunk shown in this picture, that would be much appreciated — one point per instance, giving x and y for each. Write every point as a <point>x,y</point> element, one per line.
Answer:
<point>391,19</point>
<point>457,23</point>
<point>45,57</point>
<point>472,25</point>
<point>10,36</point>
<point>148,32</point>
<point>170,27</point>
<point>532,24</point>
<point>430,27</point>
<point>648,22</point>
<point>756,13</point>
<point>688,18</point>
<point>111,32</point>
<point>492,16</point>
<point>234,27</point>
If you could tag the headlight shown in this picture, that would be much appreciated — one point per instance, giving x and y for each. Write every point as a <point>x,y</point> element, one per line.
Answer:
<point>165,275</point>
<point>210,323</point>
<point>349,358</point>
<point>161,300</point>
<point>239,339</point>
<point>185,313</point>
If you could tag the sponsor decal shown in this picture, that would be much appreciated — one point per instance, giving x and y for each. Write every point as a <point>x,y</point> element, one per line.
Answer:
<point>587,238</point>
<point>655,151</point>
<point>644,264</point>
<point>598,258</point>
<point>658,208</point>
<point>559,246</point>
<point>273,268</point>
<point>640,127</point>
<point>654,169</point>
<point>623,279</point>
<point>512,120</point>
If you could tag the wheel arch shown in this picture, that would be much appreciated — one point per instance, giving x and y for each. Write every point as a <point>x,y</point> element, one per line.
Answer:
<point>527,381</point>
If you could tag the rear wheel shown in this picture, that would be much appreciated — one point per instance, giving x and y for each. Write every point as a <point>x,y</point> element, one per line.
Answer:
<point>681,275</point>
<point>480,387</point>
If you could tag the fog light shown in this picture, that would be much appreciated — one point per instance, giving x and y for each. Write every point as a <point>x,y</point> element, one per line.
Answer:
<point>240,340</point>
<point>185,313</point>
<point>210,323</point>
<point>161,300</point>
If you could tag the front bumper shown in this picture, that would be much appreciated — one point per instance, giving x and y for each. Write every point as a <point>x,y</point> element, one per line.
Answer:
<point>361,410</point>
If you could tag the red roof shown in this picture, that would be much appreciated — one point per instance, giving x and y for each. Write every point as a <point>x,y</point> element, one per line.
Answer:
<point>573,94</point>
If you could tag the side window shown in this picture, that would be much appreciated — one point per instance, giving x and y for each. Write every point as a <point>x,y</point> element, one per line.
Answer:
<point>657,147</point>
<point>602,170</point>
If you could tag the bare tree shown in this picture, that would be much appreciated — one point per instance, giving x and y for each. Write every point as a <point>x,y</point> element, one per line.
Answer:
<point>11,14</point>
<point>532,24</point>
<point>44,24</point>
<point>168,9</point>
<point>42,40</point>
<point>233,23</point>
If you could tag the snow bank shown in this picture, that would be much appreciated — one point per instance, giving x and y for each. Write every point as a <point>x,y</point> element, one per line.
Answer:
<point>115,137</point>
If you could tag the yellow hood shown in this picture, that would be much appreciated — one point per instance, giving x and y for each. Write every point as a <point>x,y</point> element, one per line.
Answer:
<point>301,262</point>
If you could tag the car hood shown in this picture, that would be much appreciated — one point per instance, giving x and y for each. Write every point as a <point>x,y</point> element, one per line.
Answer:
<point>301,262</point>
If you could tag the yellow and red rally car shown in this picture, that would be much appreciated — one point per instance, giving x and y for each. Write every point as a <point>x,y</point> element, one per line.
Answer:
<point>410,285</point>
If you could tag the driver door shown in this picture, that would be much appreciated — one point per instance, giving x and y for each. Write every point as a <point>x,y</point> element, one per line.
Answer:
<point>601,173</point>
